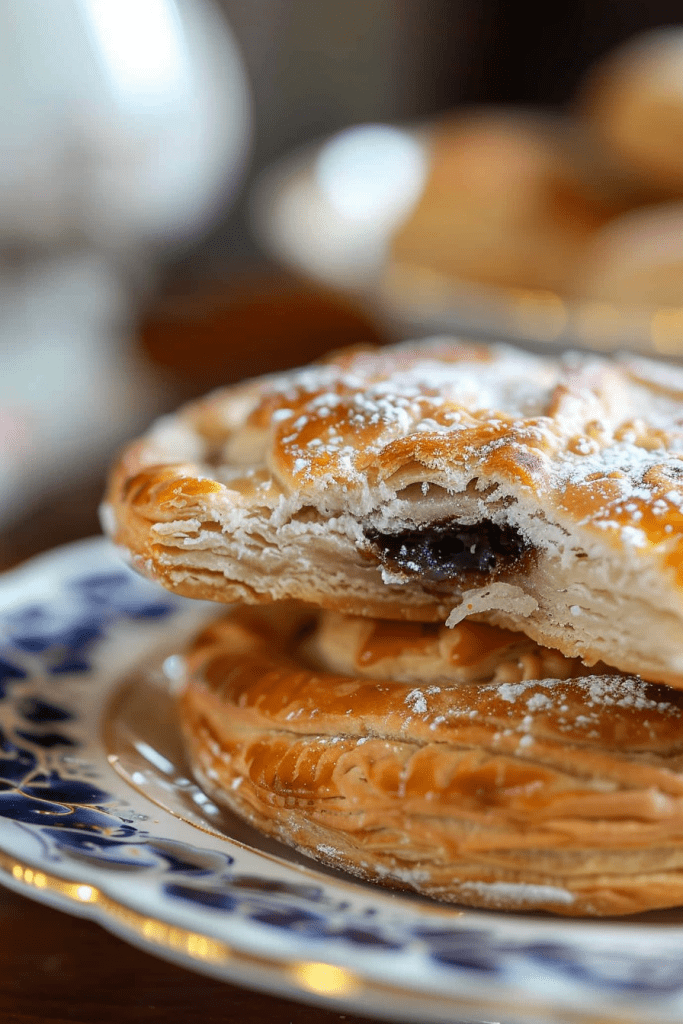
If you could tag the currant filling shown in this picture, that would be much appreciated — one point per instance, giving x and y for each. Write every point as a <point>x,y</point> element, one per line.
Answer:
<point>445,551</point>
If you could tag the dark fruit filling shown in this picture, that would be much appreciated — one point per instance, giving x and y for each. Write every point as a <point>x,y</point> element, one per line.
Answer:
<point>444,551</point>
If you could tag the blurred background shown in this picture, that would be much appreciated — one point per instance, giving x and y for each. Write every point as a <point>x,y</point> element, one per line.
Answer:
<point>178,208</point>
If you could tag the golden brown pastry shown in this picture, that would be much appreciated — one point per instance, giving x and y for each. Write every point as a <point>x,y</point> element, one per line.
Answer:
<point>511,200</point>
<point>430,481</point>
<point>633,100</point>
<point>637,260</point>
<point>487,783</point>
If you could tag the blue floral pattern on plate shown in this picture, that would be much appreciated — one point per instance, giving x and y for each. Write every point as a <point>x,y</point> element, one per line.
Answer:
<point>71,625</point>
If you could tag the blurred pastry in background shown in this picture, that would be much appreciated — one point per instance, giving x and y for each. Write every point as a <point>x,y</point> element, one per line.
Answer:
<point>636,259</point>
<point>580,205</point>
<point>633,101</point>
<point>536,226</point>
<point>508,201</point>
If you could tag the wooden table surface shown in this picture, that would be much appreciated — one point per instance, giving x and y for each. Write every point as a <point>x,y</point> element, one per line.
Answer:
<point>55,968</point>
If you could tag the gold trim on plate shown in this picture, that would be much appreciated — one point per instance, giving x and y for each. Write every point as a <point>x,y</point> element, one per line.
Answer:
<point>313,981</point>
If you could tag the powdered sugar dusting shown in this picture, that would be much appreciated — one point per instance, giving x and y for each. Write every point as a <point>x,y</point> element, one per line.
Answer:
<point>417,702</point>
<point>399,392</point>
<point>328,851</point>
<point>594,697</point>
<point>573,422</point>
<point>621,691</point>
<point>516,894</point>
<point>511,691</point>
<point>539,702</point>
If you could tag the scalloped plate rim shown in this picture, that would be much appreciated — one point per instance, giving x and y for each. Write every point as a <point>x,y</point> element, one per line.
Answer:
<point>371,986</point>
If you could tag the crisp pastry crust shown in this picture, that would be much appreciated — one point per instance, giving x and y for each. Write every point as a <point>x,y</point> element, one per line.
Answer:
<point>482,785</point>
<point>430,481</point>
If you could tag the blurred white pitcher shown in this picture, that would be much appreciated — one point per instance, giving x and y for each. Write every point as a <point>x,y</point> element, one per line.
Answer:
<point>123,126</point>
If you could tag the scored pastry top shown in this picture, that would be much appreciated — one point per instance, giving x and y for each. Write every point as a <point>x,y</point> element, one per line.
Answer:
<point>430,481</point>
<point>599,441</point>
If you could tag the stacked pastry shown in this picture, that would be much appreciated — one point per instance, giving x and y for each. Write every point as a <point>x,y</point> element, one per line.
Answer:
<point>454,656</point>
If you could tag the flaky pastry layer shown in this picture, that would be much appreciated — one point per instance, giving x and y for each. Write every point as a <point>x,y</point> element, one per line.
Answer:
<point>481,785</point>
<point>431,482</point>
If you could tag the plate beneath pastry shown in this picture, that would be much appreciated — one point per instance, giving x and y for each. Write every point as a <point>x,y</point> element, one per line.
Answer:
<point>98,817</point>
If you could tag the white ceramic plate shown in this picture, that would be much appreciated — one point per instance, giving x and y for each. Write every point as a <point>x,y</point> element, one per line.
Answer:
<point>98,817</point>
